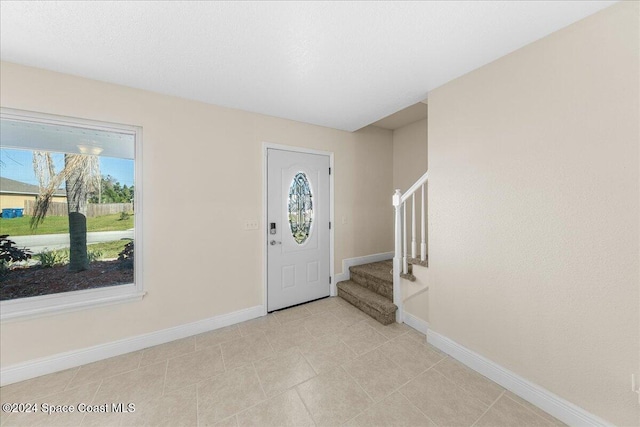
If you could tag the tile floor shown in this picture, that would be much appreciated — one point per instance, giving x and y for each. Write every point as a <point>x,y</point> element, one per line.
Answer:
<point>321,364</point>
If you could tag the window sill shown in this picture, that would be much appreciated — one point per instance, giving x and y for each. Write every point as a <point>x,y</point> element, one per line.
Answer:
<point>25,308</point>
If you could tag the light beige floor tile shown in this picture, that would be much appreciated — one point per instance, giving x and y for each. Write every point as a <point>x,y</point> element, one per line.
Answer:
<point>446,392</point>
<point>217,336</point>
<point>282,371</point>
<point>413,357</point>
<point>391,331</point>
<point>326,353</point>
<point>227,394</point>
<point>323,340</point>
<point>102,419</point>
<point>174,409</point>
<point>284,410</point>
<point>349,314</point>
<point>393,411</point>
<point>435,349</point>
<point>506,412</point>
<point>71,398</point>
<point>228,422</point>
<point>442,401</point>
<point>289,335</point>
<point>376,374</point>
<point>293,313</point>
<point>478,385</point>
<point>362,338</point>
<point>101,369</point>
<point>245,350</point>
<point>37,387</point>
<point>322,324</point>
<point>4,417</point>
<point>322,305</point>
<point>333,397</point>
<point>143,384</point>
<point>194,367</point>
<point>418,336</point>
<point>162,352</point>
<point>261,324</point>
<point>553,420</point>
<point>342,302</point>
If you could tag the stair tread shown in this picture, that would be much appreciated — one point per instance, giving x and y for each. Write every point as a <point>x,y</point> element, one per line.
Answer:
<point>408,276</point>
<point>378,270</point>
<point>418,261</point>
<point>370,298</point>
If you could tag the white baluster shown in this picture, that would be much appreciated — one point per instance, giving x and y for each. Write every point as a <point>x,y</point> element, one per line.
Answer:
<point>423,229</point>
<point>413,225</point>
<point>405,267</point>
<point>397,259</point>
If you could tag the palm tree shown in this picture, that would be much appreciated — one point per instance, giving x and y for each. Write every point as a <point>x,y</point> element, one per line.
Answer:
<point>81,175</point>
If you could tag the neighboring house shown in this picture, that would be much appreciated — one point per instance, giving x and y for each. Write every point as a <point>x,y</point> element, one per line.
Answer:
<point>14,194</point>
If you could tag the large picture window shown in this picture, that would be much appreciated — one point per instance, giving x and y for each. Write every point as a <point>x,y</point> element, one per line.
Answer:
<point>70,194</point>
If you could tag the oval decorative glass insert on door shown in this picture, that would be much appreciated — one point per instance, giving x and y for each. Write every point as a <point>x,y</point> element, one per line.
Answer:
<point>300,208</point>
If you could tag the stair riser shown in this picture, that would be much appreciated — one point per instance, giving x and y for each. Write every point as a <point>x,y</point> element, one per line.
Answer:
<point>385,319</point>
<point>378,286</point>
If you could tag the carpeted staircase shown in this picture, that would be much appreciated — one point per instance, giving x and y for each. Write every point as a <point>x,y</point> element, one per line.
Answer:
<point>371,290</point>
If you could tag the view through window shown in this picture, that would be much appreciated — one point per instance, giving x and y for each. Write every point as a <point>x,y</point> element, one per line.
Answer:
<point>67,194</point>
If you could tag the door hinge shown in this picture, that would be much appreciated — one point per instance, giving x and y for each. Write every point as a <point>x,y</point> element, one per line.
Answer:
<point>329,171</point>
<point>329,225</point>
<point>329,279</point>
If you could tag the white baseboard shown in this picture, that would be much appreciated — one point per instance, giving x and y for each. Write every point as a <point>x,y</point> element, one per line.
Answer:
<point>71,359</point>
<point>563,410</point>
<point>349,262</point>
<point>416,323</point>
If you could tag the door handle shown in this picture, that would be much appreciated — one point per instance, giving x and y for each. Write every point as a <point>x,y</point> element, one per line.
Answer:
<point>273,242</point>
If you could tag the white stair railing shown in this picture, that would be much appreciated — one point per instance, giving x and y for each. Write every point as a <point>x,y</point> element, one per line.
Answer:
<point>400,261</point>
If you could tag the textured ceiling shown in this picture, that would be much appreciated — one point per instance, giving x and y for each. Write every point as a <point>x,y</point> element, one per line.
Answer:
<point>338,64</point>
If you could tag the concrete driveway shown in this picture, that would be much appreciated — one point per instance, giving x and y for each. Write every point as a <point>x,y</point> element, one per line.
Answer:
<point>59,241</point>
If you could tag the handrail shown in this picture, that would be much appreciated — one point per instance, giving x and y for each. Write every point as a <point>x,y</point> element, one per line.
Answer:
<point>423,179</point>
<point>400,258</point>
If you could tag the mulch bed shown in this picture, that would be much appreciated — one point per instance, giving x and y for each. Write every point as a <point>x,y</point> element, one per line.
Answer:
<point>36,281</point>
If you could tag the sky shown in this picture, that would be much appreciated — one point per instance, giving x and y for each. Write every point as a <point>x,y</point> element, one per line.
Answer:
<point>17,165</point>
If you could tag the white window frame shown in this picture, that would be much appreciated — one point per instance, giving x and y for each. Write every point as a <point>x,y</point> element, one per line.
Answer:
<point>76,300</point>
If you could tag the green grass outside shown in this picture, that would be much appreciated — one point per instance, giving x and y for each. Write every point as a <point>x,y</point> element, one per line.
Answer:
<point>107,250</point>
<point>60,225</point>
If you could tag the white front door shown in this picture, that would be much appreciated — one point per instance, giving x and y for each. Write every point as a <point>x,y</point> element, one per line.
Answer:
<point>297,228</point>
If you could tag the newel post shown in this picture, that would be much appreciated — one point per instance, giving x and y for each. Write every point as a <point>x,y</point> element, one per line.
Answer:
<point>397,258</point>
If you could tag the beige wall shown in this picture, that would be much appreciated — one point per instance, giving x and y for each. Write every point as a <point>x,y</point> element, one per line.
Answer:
<point>534,212</point>
<point>409,164</point>
<point>409,153</point>
<point>192,149</point>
